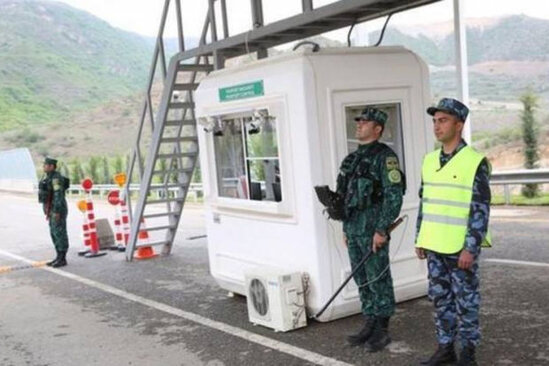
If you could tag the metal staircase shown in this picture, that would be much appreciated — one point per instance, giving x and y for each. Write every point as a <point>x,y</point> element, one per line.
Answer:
<point>171,145</point>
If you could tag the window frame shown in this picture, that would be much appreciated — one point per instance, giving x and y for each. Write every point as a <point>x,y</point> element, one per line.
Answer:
<point>277,107</point>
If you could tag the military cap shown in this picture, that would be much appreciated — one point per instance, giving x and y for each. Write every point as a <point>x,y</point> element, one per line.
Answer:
<point>451,106</point>
<point>48,160</point>
<point>372,114</point>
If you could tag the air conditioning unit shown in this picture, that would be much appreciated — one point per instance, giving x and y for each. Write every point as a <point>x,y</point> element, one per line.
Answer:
<point>275,299</point>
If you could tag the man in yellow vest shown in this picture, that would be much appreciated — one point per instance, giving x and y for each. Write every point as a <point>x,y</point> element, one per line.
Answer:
<point>452,225</point>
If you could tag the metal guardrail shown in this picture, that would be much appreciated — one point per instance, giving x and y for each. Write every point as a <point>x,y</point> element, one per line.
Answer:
<point>505,178</point>
<point>103,189</point>
<point>512,177</point>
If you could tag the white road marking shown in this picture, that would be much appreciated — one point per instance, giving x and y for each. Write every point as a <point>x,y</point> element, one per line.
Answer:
<point>511,219</point>
<point>522,263</point>
<point>303,354</point>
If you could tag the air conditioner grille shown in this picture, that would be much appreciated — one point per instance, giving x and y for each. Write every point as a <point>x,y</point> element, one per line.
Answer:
<point>259,297</point>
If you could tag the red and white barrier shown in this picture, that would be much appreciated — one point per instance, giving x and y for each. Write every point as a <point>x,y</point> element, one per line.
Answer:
<point>90,216</point>
<point>85,227</point>
<point>118,234</point>
<point>125,220</point>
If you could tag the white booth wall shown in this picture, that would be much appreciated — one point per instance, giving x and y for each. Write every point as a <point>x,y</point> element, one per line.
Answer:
<point>311,97</point>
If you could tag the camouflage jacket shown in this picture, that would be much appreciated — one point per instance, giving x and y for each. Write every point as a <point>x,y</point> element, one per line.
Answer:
<point>54,192</point>
<point>372,186</point>
<point>477,224</point>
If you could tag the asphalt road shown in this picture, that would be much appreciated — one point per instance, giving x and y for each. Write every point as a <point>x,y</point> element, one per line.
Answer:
<point>169,311</point>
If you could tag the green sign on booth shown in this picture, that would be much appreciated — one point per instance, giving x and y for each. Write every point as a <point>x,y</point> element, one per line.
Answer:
<point>241,91</point>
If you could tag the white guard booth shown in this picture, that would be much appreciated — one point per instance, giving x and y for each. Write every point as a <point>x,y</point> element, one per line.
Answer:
<point>274,129</point>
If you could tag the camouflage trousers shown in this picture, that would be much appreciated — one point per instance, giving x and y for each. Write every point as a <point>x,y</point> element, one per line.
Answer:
<point>58,233</point>
<point>455,295</point>
<point>374,281</point>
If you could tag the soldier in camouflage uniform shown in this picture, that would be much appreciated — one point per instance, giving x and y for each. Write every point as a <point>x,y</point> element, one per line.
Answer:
<point>372,187</point>
<point>453,277</point>
<point>51,193</point>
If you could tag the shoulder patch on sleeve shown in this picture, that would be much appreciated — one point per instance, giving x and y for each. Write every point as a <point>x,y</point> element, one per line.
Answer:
<point>394,176</point>
<point>391,162</point>
<point>56,184</point>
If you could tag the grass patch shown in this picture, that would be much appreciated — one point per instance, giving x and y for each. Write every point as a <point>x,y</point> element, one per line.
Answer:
<point>520,200</point>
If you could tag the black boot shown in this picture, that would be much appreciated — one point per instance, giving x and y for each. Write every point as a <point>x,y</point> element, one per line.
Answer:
<point>467,357</point>
<point>62,261</point>
<point>380,336</point>
<point>50,263</point>
<point>365,333</point>
<point>445,354</point>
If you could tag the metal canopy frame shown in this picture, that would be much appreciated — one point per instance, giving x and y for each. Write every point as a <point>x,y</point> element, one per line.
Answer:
<point>183,74</point>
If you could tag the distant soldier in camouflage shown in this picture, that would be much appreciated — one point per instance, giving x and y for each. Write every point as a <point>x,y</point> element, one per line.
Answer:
<point>51,193</point>
<point>452,225</point>
<point>372,186</point>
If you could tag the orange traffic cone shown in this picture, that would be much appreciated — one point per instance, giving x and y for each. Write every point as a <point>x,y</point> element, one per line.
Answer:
<point>144,252</point>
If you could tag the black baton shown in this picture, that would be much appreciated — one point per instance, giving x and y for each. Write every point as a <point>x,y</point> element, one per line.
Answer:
<point>391,228</point>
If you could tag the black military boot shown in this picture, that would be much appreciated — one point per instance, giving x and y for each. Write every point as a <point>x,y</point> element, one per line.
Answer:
<point>361,337</point>
<point>50,263</point>
<point>62,261</point>
<point>445,354</point>
<point>380,336</point>
<point>467,357</point>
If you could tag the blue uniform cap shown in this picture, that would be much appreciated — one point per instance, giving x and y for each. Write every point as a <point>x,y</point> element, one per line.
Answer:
<point>451,106</point>
<point>372,114</point>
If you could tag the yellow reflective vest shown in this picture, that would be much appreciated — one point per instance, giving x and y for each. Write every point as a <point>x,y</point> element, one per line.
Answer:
<point>446,201</point>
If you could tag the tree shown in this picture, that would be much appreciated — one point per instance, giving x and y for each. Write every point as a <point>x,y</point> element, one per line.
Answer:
<point>118,165</point>
<point>529,135</point>
<point>75,171</point>
<point>63,169</point>
<point>92,169</point>
<point>106,171</point>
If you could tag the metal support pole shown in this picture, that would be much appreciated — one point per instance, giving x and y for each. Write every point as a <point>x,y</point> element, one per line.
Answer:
<point>224,18</point>
<point>257,22</point>
<point>257,13</point>
<point>507,194</point>
<point>217,57</point>
<point>462,70</point>
<point>307,5</point>
<point>213,26</point>
<point>179,25</point>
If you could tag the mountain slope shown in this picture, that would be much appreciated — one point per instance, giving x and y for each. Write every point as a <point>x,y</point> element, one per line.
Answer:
<point>56,60</point>
<point>494,49</point>
<point>513,38</point>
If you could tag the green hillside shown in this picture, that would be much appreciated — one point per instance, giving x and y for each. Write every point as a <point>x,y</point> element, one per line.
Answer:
<point>56,61</point>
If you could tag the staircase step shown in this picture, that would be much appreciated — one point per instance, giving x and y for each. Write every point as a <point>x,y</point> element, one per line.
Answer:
<point>179,105</point>
<point>195,67</point>
<point>152,244</point>
<point>163,227</point>
<point>164,186</point>
<point>165,200</point>
<point>186,122</point>
<point>185,87</point>
<point>160,214</point>
<point>178,139</point>
<point>177,155</point>
<point>169,171</point>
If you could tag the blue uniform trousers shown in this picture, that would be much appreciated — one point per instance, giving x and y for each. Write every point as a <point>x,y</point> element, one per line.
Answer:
<point>455,294</point>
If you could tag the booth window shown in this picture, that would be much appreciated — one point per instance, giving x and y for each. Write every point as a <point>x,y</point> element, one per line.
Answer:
<point>392,135</point>
<point>246,157</point>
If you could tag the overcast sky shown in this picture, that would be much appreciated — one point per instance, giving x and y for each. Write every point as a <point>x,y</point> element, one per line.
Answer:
<point>143,16</point>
